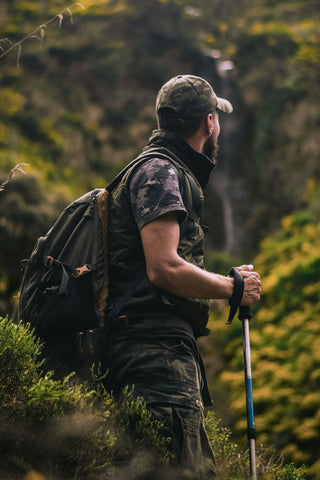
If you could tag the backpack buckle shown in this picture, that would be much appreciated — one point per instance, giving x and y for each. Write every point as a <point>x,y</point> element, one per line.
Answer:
<point>123,321</point>
<point>48,261</point>
<point>81,271</point>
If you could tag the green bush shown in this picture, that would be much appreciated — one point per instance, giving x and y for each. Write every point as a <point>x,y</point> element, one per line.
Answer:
<point>63,429</point>
<point>133,418</point>
<point>19,352</point>
<point>233,462</point>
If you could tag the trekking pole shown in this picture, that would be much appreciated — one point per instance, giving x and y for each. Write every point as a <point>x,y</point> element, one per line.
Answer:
<point>245,316</point>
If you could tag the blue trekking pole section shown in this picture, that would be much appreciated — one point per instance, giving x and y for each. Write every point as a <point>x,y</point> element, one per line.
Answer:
<point>245,316</point>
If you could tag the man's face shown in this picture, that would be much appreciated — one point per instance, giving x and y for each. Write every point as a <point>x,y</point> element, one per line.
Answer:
<point>211,147</point>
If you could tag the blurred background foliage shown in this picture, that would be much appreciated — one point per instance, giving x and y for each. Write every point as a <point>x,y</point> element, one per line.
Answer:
<point>77,103</point>
<point>285,347</point>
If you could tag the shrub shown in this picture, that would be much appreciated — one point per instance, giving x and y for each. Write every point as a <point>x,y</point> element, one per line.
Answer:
<point>68,430</point>
<point>64,429</point>
<point>19,369</point>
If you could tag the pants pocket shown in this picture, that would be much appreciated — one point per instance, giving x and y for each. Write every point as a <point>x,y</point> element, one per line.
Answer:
<point>189,441</point>
<point>182,366</point>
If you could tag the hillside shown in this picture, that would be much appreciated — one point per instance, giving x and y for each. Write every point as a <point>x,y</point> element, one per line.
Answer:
<point>80,104</point>
<point>77,103</point>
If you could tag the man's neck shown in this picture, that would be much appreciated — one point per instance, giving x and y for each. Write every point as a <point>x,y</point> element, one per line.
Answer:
<point>197,140</point>
<point>195,143</point>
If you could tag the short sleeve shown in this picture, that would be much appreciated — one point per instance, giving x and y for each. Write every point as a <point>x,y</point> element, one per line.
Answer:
<point>154,191</point>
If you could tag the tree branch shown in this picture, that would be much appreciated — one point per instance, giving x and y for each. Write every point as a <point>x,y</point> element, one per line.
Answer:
<point>39,30</point>
<point>12,174</point>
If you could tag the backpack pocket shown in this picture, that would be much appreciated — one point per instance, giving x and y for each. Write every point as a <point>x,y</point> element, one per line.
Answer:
<point>56,301</point>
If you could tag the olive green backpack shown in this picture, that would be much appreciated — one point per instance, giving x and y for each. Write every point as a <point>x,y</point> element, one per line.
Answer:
<point>65,281</point>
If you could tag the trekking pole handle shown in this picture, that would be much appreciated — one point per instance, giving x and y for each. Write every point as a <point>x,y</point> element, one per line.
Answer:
<point>244,312</point>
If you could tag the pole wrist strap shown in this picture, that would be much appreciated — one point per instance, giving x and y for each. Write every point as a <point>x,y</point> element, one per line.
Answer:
<point>238,288</point>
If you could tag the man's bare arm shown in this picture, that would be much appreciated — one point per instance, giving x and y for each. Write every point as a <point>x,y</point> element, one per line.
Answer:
<point>167,270</point>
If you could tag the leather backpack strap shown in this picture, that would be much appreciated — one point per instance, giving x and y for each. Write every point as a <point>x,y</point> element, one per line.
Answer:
<point>103,206</point>
<point>103,209</point>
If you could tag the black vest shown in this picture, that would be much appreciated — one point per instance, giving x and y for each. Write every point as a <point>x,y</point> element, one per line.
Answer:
<point>126,258</point>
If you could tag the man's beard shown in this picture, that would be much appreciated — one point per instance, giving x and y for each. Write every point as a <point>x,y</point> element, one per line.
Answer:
<point>210,148</point>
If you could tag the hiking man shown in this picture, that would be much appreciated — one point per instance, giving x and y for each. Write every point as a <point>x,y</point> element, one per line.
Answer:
<point>156,244</point>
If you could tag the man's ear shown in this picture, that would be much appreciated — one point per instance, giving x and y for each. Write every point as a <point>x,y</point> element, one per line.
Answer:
<point>209,123</point>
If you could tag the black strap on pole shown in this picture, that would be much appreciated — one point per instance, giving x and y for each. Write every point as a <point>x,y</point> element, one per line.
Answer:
<point>238,288</point>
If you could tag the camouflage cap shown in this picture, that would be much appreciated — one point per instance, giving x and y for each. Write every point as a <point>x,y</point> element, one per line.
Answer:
<point>190,96</point>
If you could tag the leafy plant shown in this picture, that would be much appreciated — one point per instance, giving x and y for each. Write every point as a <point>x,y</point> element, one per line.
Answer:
<point>19,369</point>
<point>65,429</point>
<point>289,472</point>
<point>284,337</point>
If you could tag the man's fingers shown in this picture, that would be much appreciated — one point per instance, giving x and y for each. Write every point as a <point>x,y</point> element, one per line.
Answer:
<point>245,268</point>
<point>252,285</point>
<point>252,289</point>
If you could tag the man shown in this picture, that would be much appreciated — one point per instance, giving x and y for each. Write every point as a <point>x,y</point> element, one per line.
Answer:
<point>156,253</point>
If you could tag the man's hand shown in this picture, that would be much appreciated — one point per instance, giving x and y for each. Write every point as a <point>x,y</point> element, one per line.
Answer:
<point>252,285</point>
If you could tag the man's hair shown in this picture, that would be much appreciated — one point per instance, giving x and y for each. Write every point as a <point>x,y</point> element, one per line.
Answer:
<point>186,127</point>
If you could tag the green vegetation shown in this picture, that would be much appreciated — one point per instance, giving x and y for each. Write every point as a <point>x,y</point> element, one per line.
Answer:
<point>285,345</point>
<point>81,104</point>
<point>62,428</point>
<point>69,430</point>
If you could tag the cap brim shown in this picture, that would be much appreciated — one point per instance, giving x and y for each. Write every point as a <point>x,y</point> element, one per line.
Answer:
<point>224,105</point>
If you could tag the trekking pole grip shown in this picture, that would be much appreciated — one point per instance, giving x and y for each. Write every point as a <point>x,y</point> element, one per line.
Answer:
<point>244,312</point>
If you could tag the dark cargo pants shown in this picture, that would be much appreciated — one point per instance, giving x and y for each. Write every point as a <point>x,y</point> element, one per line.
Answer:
<point>165,372</point>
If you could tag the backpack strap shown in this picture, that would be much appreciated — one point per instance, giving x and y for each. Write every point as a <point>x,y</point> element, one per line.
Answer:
<point>103,208</point>
<point>127,294</point>
<point>135,163</point>
<point>103,205</point>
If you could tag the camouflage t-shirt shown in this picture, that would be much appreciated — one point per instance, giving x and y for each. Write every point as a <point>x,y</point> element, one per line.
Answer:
<point>154,191</point>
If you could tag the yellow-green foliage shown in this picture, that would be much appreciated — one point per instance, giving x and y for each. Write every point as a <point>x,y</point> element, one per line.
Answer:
<point>62,429</point>
<point>81,102</point>
<point>18,370</point>
<point>285,345</point>
<point>11,102</point>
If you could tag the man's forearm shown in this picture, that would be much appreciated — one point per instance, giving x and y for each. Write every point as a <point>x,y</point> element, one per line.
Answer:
<point>187,280</point>
<point>167,270</point>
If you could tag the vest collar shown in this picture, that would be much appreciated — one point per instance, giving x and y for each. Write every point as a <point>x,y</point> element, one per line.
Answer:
<point>199,164</point>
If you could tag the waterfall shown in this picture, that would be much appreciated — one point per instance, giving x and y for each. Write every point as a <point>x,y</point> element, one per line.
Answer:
<point>225,189</point>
